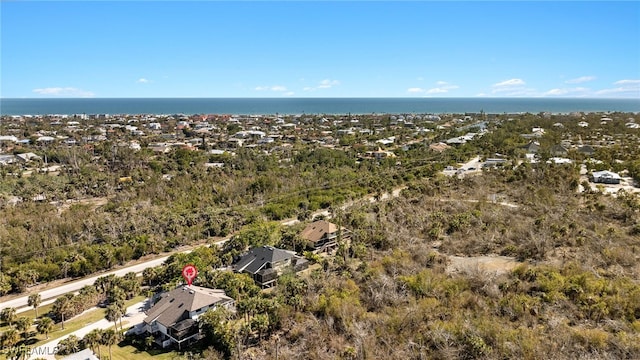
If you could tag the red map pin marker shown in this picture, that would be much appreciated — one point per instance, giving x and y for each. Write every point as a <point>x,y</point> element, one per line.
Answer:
<point>189,272</point>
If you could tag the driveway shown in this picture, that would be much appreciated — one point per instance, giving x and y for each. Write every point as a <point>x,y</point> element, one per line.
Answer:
<point>135,315</point>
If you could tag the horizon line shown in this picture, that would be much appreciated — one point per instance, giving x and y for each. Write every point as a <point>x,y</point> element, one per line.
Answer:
<point>328,97</point>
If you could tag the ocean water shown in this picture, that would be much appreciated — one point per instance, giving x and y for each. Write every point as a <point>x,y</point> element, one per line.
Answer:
<point>253,106</point>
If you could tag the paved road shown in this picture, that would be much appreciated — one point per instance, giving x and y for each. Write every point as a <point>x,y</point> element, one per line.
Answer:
<point>79,284</point>
<point>135,314</point>
<point>49,295</point>
<point>474,164</point>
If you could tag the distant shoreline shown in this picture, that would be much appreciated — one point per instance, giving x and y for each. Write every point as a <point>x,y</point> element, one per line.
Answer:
<point>311,106</point>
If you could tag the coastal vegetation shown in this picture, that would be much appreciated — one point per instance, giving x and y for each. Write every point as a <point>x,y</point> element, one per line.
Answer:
<point>410,282</point>
<point>572,293</point>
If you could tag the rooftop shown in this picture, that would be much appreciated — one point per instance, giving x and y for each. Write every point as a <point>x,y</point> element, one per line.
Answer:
<point>172,305</point>
<point>254,260</point>
<point>317,229</point>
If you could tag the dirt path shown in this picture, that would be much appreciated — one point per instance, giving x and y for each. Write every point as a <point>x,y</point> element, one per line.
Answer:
<point>496,265</point>
<point>94,202</point>
<point>503,203</point>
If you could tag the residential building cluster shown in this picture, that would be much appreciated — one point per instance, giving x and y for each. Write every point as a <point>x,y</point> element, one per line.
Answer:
<point>172,320</point>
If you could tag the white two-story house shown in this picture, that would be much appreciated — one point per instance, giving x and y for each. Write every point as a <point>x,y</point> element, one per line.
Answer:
<point>173,319</point>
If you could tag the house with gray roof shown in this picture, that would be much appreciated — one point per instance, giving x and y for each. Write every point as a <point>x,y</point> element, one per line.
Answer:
<point>173,318</point>
<point>532,147</point>
<point>8,139</point>
<point>26,157</point>
<point>558,150</point>
<point>586,149</point>
<point>6,159</point>
<point>266,263</point>
<point>605,177</point>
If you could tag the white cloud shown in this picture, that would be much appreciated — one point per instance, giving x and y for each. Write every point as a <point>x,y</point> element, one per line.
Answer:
<point>521,92</point>
<point>515,91</point>
<point>509,83</point>
<point>143,81</point>
<point>578,91</point>
<point>621,88</point>
<point>290,93</point>
<point>277,88</point>
<point>617,90</point>
<point>437,91</point>
<point>327,83</point>
<point>63,92</point>
<point>512,87</point>
<point>324,84</point>
<point>557,92</point>
<point>625,88</point>
<point>627,82</point>
<point>443,87</point>
<point>622,91</point>
<point>415,90</point>
<point>579,80</point>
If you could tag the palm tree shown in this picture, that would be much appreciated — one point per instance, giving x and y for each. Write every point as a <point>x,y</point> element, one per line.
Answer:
<point>62,307</point>
<point>5,284</point>
<point>70,345</point>
<point>65,268</point>
<point>8,315</point>
<point>90,293</point>
<point>149,275</point>
<point>10,338</point>
<point>18,352</point>
<point>24,352</point>
<point>245,307</point>
<point>116,295</point>
<point>93,339</point>
<point>103,284</point>
<point>32,276</point>
<point>260,322</point>
<point>114,313</point>
<point>35,300</point>
<point>148,342</point>
<point>109,338</point>
<point>23,324</point>
<point>45,326</point>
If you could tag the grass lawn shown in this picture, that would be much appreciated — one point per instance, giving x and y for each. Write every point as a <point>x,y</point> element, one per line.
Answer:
<point>119,352</point>
<point>72,325</point>
<point>130,352</point>
<point>42,310</point>
<point>76,323</point>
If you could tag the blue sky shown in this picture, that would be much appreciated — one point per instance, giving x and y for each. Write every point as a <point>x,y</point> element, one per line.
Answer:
<point>320,49</point>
